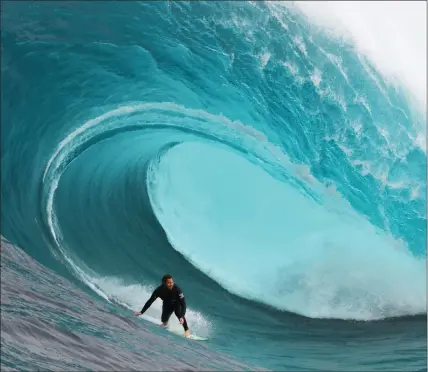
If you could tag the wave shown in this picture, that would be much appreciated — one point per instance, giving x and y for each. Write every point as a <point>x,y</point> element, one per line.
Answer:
<point>246,150</point>
<point>236,207</point>
<point>270,160</point>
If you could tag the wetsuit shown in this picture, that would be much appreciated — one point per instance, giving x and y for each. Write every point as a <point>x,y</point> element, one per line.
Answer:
<point>173,301</point>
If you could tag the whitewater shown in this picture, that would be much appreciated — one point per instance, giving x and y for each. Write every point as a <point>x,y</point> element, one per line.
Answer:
<point>271,156</point>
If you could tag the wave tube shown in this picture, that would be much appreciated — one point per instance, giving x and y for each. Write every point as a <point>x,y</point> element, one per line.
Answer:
<point>264,239</point>
<point>93,188</point>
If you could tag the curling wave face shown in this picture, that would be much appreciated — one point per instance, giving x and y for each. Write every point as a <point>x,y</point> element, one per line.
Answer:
<point>235,206</point>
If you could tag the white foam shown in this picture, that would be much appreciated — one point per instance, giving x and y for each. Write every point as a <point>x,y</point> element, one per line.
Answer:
<point>300,45</point>
<point>264,59</point>
<point>316,76</point>
<point>392,34</point>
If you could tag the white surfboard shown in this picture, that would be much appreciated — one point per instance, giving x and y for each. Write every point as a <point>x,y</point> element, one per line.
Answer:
<point>191,337</point>
<point>177,332</point>
<point>196,338</point>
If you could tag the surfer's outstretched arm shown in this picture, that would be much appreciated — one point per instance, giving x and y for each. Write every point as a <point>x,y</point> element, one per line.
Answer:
<point>149,302</point>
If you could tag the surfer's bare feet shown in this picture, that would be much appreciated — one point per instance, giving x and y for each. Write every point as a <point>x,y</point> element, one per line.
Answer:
<point>164,325</point>
<point>187,333</point>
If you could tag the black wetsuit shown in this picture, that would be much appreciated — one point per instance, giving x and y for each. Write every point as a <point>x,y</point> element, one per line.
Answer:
<point>173,301</point>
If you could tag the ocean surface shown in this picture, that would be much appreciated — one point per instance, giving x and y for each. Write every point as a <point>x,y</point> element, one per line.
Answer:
<point>268,163</point>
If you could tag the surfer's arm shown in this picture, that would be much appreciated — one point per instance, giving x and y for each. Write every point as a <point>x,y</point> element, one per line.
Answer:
<point>149,302</point>
<point>182,302</point>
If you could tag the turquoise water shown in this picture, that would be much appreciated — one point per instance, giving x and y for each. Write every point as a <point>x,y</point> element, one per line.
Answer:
<point>271,168</point>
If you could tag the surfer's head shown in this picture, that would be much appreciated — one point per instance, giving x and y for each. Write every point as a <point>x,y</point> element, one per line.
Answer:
<point>167,281</point>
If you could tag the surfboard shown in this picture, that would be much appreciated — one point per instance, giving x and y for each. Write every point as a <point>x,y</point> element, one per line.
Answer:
<point>177,332</point>
<point>196,338</point>
<point>191,337</point>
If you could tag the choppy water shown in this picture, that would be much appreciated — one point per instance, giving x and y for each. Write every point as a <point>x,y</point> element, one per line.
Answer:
<point>271,168</point>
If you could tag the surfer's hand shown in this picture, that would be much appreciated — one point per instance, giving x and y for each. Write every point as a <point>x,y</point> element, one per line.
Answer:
<point>181,320</point>
<point>137,313</point>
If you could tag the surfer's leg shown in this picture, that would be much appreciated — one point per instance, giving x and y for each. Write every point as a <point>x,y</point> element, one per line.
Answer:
<point>166,313</point>
<point>186,328</point>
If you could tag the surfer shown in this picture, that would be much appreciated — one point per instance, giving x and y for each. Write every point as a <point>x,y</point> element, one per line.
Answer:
<point>173,301</point>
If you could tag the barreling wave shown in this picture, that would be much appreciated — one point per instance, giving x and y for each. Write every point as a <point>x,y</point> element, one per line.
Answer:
<point>277,171</point>
<point>234,205</point>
